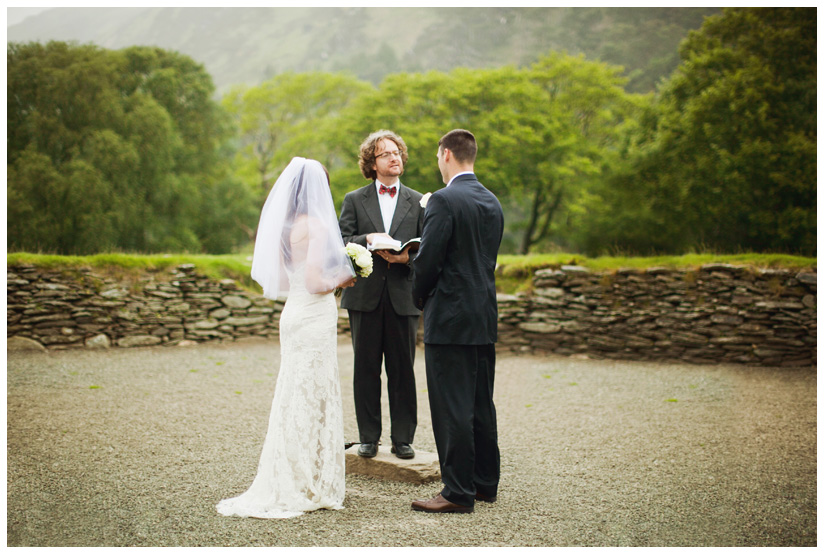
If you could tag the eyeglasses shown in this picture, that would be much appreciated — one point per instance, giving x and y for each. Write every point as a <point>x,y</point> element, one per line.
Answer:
<point>396,153</point>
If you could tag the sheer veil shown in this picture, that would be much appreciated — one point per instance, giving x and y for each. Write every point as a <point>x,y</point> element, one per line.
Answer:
<point>299,229</point>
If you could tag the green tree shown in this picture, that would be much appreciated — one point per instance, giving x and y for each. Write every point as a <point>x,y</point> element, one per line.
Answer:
<point>579,142</point>
<point>727,157</point>
<point>115,150</point>
<point>288,115</point>
<point>544,133</point>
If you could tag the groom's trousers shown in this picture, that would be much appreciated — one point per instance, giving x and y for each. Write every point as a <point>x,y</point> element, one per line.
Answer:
<point>460,386</point>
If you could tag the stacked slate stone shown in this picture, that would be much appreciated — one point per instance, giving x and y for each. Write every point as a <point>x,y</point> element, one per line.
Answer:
<point>513,311</point>
<point>719,313</point>
<point>77,308</point>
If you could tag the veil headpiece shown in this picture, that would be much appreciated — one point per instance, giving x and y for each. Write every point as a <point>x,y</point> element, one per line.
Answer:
<point>298,227</point>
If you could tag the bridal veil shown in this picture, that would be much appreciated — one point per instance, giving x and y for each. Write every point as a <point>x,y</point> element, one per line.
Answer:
<point>298,223</point>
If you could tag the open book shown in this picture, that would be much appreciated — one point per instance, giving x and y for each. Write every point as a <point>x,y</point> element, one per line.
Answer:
<point>393,245</point>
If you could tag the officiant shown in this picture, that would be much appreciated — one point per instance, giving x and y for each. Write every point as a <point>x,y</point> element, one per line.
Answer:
<point>383,319</point>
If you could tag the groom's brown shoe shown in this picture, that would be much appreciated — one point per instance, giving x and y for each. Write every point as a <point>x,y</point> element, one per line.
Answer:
<point>485,498</point>
<point>439,505</point>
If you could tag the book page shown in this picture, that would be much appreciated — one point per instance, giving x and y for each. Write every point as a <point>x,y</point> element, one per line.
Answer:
<point>384,244</point>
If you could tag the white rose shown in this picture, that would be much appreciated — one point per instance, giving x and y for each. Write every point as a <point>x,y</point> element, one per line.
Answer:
<point>354,249</point>
<point>364,259</point>
<point>424,200</point>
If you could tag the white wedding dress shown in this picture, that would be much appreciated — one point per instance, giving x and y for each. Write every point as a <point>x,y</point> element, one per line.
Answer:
<point>302,462</point>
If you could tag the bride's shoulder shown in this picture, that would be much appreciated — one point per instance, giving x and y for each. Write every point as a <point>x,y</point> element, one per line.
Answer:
<point>300,229</point>
<point>306,227</point>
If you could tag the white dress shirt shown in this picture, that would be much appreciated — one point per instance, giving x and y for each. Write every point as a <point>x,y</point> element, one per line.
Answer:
<point>387,202</point>
<point>456,175</point>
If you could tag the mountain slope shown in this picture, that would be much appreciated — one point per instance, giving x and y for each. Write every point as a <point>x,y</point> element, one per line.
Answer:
<point>249,45</point>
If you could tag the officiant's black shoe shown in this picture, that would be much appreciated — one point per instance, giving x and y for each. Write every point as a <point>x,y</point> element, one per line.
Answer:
<point>402,450</point>
<point>439,505</point>
<point>485,498</point>
<point>368,450</point>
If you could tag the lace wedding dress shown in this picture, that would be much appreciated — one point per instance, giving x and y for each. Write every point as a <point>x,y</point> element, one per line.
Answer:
<point>302,462</point>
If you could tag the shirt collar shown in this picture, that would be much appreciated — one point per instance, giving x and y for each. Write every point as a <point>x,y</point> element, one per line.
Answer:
<point>456,175</point>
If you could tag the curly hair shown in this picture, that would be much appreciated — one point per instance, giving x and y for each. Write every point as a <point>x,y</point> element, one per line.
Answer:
<point>366,157</point>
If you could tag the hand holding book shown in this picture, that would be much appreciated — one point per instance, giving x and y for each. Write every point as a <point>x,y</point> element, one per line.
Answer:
<point>385,242</point>
<point>392,250</point>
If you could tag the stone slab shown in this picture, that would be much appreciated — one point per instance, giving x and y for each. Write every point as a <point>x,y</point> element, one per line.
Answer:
<point>100,341</point>
<point>17,343</point>
<point>422,469</point>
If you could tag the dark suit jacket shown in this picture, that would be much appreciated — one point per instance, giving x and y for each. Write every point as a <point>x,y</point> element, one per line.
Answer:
<point>360,216</point>
<point>455,266</point>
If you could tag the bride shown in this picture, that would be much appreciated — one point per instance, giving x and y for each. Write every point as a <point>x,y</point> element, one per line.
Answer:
<point>299,253</point>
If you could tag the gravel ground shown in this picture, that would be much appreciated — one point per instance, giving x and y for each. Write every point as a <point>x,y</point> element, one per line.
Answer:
<point>133,447</point>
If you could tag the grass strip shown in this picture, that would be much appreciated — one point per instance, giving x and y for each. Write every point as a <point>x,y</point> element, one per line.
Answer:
<point>513,275</point>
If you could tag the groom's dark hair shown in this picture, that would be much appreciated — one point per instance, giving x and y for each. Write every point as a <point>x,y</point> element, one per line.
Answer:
<point>461,143</point>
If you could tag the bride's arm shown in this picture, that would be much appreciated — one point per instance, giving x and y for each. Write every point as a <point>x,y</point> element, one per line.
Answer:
<point>319,279</point>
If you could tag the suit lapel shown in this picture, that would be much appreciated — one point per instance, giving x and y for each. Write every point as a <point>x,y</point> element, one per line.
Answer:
<point>373,208</point>
<point>401,209</point>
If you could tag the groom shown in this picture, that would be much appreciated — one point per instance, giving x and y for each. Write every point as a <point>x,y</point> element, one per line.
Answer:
<point>454,284</point>
<point>383,318</point>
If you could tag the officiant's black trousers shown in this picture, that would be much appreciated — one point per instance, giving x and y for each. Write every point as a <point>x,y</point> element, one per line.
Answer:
<point>460,386</point>
<point>382,336</point>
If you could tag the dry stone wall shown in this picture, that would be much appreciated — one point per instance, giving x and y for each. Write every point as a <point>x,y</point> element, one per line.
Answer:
<point>78,308</point>
<point>718,313</point>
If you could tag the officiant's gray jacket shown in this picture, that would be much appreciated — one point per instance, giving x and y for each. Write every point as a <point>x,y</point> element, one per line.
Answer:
<point>360,216</point>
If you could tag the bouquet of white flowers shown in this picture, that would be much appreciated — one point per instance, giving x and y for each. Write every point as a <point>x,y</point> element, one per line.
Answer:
<point>361,259</point>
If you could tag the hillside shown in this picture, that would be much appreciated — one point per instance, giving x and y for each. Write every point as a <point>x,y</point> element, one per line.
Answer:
<point>249,45</point>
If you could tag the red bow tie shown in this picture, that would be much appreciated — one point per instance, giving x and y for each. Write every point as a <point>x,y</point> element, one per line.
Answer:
<point>384,189</point>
